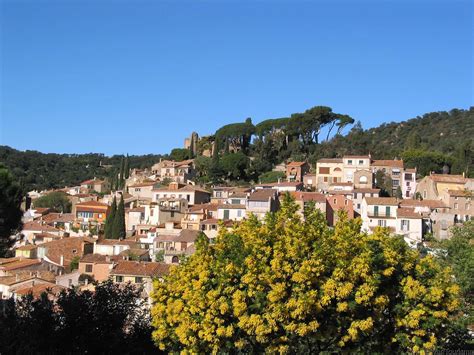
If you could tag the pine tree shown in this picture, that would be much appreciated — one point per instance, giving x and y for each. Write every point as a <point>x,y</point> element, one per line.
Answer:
<point>121,175</point>
<point>109,222</point>
<point>118,227</point>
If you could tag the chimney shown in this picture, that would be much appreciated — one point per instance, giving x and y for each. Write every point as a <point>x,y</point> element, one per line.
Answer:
<point>61,260</point>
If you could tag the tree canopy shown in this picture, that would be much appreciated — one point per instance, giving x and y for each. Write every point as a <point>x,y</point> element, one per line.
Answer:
<point>291,285</point>
<point>10,212</point>
<point>57,201</point>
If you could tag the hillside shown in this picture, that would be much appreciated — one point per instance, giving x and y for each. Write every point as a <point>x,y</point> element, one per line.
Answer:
<point>430,142</point>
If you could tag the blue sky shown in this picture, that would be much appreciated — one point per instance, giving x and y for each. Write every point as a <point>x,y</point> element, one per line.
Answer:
<point>138,76</point>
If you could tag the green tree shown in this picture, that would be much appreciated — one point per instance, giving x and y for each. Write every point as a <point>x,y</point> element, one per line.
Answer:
<point>234,165</point>
<point>10,212</point>
<point>180,154</point>
<point>75,263</point>
<point>118,226</point>
<point>399,193</point>
<point>109,222</point>
<point>293,285</point>
<point>57,201</point>
<point>126,169</point>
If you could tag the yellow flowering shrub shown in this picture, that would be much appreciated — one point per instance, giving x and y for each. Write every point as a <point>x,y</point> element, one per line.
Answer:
<point>290,285</point>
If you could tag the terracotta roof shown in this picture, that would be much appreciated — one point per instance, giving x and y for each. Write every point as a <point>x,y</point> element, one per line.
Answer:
<point>387,201</point>
<point>330,160</point>
<point>46,235</point>
<point>42,210</point>
<point>135,268</point>
<point>408,213</point>
<point>38,289</point>
<point>20,264</point>
<point>222,188</point>
<point>238,194</point>
<point>204,206</point>
<point>69,248</point>
<point>410,170</point>
<point>186,235</point>
<point>134,251</point>
<point>308,196</point>
<point>423,203</point>
<point>456,179</point>
<point>391,163</point>
<point>262,195</point>
<point>296,163</point>
<point>58,217</point>
<point>24,275</point>
<point>35,226</point>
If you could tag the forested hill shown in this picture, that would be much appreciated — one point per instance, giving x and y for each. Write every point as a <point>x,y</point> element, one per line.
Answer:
<point>430,142</point>
<point>41,171</point>
<point>434,139</point>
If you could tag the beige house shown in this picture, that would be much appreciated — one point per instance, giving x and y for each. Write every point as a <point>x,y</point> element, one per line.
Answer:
<point>143,191</point>
<point>296,170</point>
<point>94,185</point>
<point>431,187</point>
<point>194,195</point>
<point>96,265</point>
<point>197,213</point>
<point>328,171</point>
<point>178,171</point>
<point>353,164</point>
<point>304,199</point>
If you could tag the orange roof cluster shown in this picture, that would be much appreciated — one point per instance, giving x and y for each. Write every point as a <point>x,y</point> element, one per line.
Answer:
<point>308,196</point>
<point>385,201</point>
<point>296,163</point>
<point>391,163</point>
<point>447,178</point>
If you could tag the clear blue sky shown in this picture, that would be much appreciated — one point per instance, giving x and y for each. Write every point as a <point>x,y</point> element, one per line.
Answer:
<point>138,76</point>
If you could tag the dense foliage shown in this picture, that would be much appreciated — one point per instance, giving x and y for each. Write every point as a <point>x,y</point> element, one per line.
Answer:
<point>10,212</point>
<point>42,171</point>
<point>296,286</point>
<point>57,201</point>
<point>113,319</point>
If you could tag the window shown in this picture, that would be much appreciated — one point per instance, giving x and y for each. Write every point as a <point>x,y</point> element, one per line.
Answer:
<point>335,201</point>
<point>138,280</point>
<point>226,214</point>
<point>188,197</point>
<point>345,202</point>
<point>74,251</point>
<point>88,267</point>
<point>218,194</point>
<point>395,183</point>
<point>118,278</point>
<point>361,162</point>
<point>408,183</point>
<point>69,282</point>
<point>456,206</point>
<point>172,214</point>
<point>325,179</point>
<point>235,201</point>
<point>387,211</point>
<point>358,206</point>
<point>363,180</point>
<point>376,210</point>
<point>239,213</point>
<point>324,170</point>
<point>349,162</point>
<point>424,194</point>
<point>408,177</point>
<point>405,225</point>
<point>137,189</point>
<point>382,223</point>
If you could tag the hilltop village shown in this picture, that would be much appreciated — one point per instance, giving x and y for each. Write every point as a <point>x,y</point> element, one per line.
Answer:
<point>164,211</point>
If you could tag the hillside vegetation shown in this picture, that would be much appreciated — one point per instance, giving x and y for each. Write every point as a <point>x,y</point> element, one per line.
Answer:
<point>436,141</point>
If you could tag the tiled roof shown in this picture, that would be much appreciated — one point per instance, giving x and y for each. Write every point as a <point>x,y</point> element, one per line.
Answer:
<point>262,195</point>
<point>423,203</point>
<point>37,290</point>
<point>20,264</point>
<point>296,163</point>
<point>99,259</point>
<point>58,217</point>
<point>134,251</point>
<point>186,235</point>
<point>204,206</point>
<point>46,235</point>
<point>456,179</point>
<point>308,196</point>
<point>27,247</point>
<point>42,210</point>
<point>143,184</point>
<point>67,247</point>
<point>341,184</point>
<point>135,268</point>
<point>390,163</point>
<point>408,213</point>
<point>115,242</point>
<point>330,160</point>
<point>35,226</point>
<point>387,201</point>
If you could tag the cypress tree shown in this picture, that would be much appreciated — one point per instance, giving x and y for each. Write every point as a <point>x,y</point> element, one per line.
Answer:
<point>127,168</point>
<point>109,222</point>
<point>121,175</point>
<point>118,227</point>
